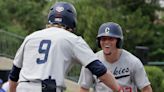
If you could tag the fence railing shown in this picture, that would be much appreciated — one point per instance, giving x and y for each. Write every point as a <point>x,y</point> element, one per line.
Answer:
<point>155,63</point>
<point>142,53</point>
<point>10,42</point>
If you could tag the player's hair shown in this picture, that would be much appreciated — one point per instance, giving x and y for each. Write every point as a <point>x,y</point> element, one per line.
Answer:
<point>59,26</point>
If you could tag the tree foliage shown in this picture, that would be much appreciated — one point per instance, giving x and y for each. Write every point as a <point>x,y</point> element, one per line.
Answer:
<point>138,19</point>
<point>25,15</point>
<point>156,77</point>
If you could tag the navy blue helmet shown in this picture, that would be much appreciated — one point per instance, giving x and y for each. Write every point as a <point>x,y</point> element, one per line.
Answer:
<point>111,29</point>
<point>63,13</point>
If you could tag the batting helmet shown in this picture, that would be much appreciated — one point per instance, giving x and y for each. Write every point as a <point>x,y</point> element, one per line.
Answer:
<point>111,29</point>
<point>63,13</point>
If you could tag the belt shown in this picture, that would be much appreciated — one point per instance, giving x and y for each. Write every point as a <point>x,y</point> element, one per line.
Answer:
<point>58,89</point>
<point>34,81</point>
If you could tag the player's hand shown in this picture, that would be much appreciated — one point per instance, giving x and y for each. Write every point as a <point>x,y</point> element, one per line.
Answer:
<point>120,89</point>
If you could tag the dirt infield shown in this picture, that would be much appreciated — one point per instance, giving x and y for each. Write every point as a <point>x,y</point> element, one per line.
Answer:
<point>5,63</point>
<point>71,86</point>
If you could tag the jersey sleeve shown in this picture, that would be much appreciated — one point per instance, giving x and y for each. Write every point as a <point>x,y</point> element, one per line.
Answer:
<point>86,78</point>
<point>140,75</point>
<point>83,52</point>
<point>18,59</point>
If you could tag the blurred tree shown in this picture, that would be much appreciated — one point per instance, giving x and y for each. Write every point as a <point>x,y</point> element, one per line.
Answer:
<point>26,14</point>
<point>138,19</point>
<point>156,77</point>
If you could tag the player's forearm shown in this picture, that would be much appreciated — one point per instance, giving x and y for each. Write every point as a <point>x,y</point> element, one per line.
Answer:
<point>12,86</point>
<point>97,68</point>
<point>83,89</point>
<point>110,81</point>
<point>147,89</point>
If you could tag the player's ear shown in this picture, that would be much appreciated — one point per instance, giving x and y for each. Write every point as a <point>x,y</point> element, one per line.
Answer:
<point>98,42</point>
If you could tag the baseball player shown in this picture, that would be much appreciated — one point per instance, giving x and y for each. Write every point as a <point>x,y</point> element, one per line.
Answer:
<point>45,56</point>
<point>127,69</point>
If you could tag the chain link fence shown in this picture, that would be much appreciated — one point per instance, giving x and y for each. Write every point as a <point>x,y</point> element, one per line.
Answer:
<point>9,43</point>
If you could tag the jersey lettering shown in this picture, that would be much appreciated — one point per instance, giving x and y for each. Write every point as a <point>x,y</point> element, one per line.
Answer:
<point>44,49</point>
<point>120,71</point>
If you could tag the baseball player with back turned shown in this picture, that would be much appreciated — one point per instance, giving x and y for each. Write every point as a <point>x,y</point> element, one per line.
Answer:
<point>127,69</point>
<point>45,56</point>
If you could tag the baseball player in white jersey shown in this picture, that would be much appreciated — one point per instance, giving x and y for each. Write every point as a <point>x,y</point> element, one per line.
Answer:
<point>127,69</point>
<point>45,56</point>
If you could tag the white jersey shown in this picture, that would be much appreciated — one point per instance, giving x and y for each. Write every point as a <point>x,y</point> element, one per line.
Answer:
<point>128,71</point>
<point>51,52</point>
<point>5,86</point>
